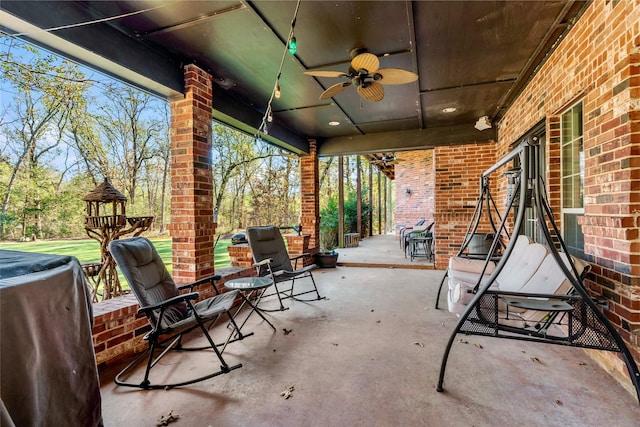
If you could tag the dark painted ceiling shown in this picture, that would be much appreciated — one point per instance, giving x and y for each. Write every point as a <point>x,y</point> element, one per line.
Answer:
<point>474,56</point>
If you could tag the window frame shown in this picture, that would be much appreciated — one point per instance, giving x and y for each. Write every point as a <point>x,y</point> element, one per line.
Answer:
<point>575,138</point>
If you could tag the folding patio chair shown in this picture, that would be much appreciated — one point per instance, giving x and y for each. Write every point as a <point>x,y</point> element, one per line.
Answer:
<point>170,313</point>
<point>405,230</point>
<point>266,243</point>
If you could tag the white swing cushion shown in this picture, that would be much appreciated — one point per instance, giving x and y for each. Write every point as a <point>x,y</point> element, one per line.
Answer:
<point>523,262</point>
<point>468,265</point>
<point>549,279</point>
<point>517,272</point>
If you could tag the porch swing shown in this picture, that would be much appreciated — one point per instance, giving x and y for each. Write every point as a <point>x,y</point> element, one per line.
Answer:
<point>530,291</point>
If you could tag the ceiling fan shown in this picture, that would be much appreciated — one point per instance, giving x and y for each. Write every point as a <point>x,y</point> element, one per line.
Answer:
<point>364,73</point>
<point>386,159</point>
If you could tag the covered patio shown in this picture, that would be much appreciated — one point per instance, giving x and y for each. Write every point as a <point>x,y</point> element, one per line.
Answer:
<point>370,355</point>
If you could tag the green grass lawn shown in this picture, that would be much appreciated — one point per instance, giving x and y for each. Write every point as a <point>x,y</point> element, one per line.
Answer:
<point>88,250</point>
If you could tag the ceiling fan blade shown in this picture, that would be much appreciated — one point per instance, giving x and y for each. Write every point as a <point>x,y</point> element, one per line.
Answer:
<point>325,73</point>
<point>334,90</point>
<point>373,91</point>
<point>366,60</point>
<point>396,76</point>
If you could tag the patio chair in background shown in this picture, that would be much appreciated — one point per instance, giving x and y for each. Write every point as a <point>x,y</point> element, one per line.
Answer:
<point>266,243</point>
<point>405,230</point>
<point>170,314</point>
<point>417,231</point>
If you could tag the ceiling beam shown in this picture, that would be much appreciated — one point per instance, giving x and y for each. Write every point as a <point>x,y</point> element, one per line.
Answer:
<point>405,140</point>
<point>122,57</point>
<point>232,112</point>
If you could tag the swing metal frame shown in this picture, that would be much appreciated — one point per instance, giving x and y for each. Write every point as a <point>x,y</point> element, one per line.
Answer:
<point>585,323</point>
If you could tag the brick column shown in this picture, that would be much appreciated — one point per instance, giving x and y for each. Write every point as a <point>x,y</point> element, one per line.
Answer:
<point>310,197</point>
<point>192,199</point>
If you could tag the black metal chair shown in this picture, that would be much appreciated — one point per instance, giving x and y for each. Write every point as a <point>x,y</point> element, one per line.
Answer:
<point>416,234</point>
<point>266,243</point>
<point>170,313</point>
<point>405,230</point>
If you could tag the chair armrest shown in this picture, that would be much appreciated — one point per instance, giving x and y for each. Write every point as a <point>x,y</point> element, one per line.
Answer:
<point>210,279</point>
<point>263,262</point>
<point>297,258</point>
<point>170,301</point>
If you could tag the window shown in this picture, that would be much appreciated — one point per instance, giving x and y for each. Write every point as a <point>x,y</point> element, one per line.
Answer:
<point>538,134</point>
<point>572,176</point>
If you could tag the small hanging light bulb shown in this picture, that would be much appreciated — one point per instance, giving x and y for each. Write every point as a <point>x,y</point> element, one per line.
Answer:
<point>265,130</point>
<point>277,93</point>
<point>269,116</point>
<point>293,45</point>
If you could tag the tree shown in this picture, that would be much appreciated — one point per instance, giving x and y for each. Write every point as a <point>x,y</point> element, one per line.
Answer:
<point>130,132</point>
<point>231,152</point>
<point>44,88</point>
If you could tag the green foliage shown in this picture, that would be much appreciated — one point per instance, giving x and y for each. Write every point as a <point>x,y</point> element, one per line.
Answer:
<point>329,221</point>
<point>351,214</point>
<point>87,250</point>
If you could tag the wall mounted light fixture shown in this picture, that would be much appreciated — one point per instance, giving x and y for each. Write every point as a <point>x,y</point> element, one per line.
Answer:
<point>407,191</point>
<point>483,123</point>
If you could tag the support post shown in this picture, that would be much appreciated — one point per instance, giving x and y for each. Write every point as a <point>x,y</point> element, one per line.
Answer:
<point>192,228</point>
<point>341,202</point>
<point>310,197</point>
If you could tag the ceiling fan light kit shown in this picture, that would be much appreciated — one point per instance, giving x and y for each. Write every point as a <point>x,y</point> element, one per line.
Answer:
<point>365,74</point>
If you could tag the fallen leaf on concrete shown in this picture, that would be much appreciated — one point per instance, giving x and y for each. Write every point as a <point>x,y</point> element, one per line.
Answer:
<point>582,364</point>
<point>463,341</point>
<point>165,420</point>
<point>479,346</point>
<point>419,343</point>
<point>559,402</point>
<point>335,344</point>
<point>535,359</point>
<point>286,331</point>
<point>288,392</point>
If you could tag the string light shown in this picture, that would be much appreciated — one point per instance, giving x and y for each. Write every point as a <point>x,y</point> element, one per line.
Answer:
<point>291,46</point>
<point>276,91</point>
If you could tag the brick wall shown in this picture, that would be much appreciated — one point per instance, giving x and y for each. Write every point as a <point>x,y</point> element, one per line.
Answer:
<point>416,173</point>
<point>240,255</point>
<point>296,245</point>
<point>118,330</point>
<point>598,62</point>
<point>192,198</point>
<point>458,170</point>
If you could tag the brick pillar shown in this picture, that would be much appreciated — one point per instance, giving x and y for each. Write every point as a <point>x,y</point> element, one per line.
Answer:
<point>310,197</point>
<point>192,199</point>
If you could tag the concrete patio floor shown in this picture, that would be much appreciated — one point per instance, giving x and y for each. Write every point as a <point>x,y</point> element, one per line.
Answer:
<point>369,355</point>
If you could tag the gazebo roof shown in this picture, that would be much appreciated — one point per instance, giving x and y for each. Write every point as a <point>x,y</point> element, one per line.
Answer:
<point>105,192</point>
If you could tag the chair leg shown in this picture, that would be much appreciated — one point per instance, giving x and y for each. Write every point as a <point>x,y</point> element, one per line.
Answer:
<point>224,367</point>
<point>446,273</point>
<point>152,361</point>
<point>235,330</point>
<point>277,292</point>
<point>315,289</point>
